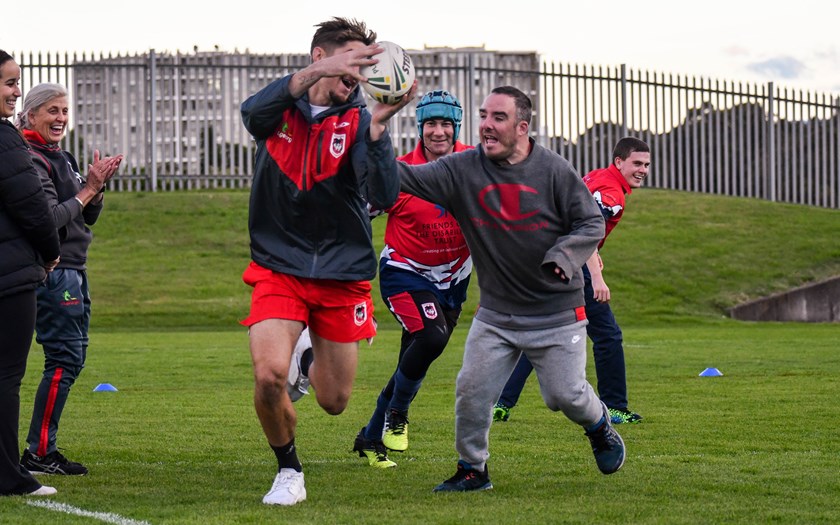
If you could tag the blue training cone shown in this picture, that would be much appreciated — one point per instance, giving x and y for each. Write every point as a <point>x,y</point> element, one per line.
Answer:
<point>711,372</point>
<point>105,387</point>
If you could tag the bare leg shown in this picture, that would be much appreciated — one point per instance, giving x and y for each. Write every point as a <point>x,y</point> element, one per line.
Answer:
<point>332,372</point>
<point>271,343</point>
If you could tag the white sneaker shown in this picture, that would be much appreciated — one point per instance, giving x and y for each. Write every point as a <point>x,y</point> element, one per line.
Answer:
<point>298,384</point>
<point>287,489</point>
<point>43,491</point>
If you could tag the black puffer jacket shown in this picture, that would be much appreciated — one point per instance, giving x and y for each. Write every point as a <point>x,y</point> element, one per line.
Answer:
<point>28,236</point>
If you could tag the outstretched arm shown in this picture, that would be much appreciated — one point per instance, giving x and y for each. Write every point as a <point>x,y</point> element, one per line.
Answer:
<point>382,113</point>
<point>338,65</point>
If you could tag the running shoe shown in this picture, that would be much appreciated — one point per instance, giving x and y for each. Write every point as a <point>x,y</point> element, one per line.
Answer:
<point>607,446</point>
<point>501,412</point>
<point>619,416</point>
<point>396,431</point>
<point>288,488</point>
<point>374,451</point>
<point>466,479</point>
<point>52,463</point>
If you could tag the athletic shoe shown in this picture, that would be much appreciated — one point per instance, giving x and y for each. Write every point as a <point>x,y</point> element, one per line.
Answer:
<point>466,479</point>
<point>607,446</point>
<point>618,416</point>
<point>287,489</point>
<point>374,451</point>
<point>501,412</point>
<point>43,490</point>
<point>52,463</point>
<point>396,430</point>
<point>298,384</point>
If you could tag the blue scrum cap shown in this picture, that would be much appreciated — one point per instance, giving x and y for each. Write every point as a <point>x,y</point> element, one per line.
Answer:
<point>439,104</point>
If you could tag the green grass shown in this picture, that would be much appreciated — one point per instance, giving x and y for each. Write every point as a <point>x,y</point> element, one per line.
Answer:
<point>684,256</point>
<point>180,442</point>
<point>174,260</point>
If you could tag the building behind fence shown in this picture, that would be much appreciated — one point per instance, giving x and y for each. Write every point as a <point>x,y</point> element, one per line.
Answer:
<point>711,136</point>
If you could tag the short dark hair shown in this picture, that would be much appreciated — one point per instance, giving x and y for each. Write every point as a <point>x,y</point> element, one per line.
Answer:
<point>629,145</point>
<point>334,33</point>
<point>520,100</point>
<point>5,57</point>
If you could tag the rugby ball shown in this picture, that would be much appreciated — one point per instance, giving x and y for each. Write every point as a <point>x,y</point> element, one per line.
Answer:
<point>391,77</point>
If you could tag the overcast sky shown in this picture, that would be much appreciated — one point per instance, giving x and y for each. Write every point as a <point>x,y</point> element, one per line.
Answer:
<point>795,44</point>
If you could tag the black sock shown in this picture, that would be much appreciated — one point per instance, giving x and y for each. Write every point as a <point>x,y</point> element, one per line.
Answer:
<point>287,456</point>
<point>306,361</point>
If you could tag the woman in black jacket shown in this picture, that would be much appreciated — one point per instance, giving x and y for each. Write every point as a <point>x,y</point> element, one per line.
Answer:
<point>29,248</point>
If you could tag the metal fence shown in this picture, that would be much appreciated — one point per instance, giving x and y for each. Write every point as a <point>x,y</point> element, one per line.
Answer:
<point>176,118</point>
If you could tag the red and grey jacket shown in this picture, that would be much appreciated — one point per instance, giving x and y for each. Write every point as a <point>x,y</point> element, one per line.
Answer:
<point>313,178</point>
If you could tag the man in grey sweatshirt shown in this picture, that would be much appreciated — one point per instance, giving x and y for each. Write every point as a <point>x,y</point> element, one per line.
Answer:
<point>531,224</point>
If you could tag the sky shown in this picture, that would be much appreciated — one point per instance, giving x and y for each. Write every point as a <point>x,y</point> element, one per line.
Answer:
<point>794,44</point>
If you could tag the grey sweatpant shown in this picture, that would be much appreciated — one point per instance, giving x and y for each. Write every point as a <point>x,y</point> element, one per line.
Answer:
<point>490,353</point>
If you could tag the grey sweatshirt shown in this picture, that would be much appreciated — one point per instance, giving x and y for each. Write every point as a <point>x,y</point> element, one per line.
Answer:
<point>519,222</point>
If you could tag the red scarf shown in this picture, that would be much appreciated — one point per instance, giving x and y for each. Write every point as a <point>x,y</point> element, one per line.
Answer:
<point>33,137</point>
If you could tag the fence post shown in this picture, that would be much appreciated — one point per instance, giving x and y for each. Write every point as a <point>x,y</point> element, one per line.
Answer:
<point>470,103</point>
<point>623,100</point>
<point>771,146</point>
<point>153,115</point>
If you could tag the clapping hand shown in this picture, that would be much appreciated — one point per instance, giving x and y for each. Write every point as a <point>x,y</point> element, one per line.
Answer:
<point>102,170</point>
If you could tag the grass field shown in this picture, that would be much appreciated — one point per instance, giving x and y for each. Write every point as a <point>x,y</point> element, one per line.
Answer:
<point>180,443</point>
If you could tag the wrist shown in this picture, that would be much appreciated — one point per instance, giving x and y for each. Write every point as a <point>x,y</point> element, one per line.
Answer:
<point>376,130</point>
<point>86,195</point>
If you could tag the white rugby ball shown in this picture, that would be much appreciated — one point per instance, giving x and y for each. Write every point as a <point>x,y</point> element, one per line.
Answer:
<point>391,77</point>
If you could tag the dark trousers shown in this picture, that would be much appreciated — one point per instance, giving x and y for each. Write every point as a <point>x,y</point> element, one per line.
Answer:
<point>420,346</point>
<point>607,347</point>
<point>62,329</point>
<point>17,323</point>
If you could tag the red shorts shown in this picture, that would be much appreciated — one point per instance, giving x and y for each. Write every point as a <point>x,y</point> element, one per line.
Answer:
<point>340,311</point>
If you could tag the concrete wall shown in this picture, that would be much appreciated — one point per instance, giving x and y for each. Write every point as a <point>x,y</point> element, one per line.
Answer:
<point>814,303</point>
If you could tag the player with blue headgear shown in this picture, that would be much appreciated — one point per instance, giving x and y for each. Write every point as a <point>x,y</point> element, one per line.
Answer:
<point>424,272</point>
<point>439,116</point>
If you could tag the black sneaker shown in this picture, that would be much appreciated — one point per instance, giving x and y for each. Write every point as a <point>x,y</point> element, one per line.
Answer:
<point>466,479</point>
<point>607,446</point>
<point>374,451</point>
<point>52,463</point>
